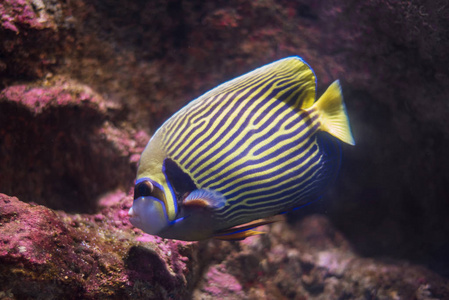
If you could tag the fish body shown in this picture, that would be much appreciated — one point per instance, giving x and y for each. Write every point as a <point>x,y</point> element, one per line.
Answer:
<point>252,148</point>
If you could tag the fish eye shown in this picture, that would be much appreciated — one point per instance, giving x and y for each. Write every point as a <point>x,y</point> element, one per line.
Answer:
<point>143,189</point>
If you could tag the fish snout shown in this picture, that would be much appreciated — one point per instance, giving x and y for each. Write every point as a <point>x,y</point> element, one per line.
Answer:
<point>148,214</point>
<point>130,212</point>
<point>134,218</point>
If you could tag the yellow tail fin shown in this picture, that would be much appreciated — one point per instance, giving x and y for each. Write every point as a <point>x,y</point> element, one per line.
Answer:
<point>332,112</point>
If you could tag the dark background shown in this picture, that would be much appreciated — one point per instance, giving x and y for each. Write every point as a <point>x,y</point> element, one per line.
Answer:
<point>151,57</point>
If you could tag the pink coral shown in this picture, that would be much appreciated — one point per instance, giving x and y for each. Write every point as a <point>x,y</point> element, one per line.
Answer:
<point>18,13</point>
<point>221,284</point>
<point>309,260</point>
<point>37,99</point>
<point>75,256</point>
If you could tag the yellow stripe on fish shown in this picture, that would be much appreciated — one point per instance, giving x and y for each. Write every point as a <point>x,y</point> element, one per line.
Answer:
<point>249,149</point>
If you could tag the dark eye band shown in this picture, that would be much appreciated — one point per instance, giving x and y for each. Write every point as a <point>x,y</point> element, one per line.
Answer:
<point>146,188</point>
<point>143,189</point>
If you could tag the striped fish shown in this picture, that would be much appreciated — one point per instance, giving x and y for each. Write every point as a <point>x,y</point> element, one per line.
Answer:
<point>252,148</point>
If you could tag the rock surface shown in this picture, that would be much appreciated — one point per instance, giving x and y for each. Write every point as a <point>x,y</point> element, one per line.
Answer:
<point>60,147</point>
<point>84,83</point>
<point>47,254</point>
<point>310,260</point>
<point>53,255</point>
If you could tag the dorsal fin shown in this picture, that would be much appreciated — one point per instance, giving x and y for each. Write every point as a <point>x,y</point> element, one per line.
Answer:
<point>296,77</point>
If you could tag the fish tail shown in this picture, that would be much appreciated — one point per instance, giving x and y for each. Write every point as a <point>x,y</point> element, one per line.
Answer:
<point>332,113</point>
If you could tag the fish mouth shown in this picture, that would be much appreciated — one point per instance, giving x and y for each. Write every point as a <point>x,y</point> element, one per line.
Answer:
<point>134,219</point>
<point>130,212</point>
<point>148,214</point>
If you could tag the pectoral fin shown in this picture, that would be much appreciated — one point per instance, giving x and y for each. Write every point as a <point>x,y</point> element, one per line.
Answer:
<point>205,198</point>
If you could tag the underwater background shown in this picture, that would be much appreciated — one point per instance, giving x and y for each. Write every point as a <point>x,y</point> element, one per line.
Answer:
<point>84,84</point>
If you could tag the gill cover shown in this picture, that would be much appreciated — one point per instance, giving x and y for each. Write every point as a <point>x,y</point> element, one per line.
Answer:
<point>148,211</point>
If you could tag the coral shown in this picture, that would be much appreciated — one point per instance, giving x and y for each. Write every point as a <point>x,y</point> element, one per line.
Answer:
<point>220,284</point>
<point>48,254</point>
<point>310,261</point>
<point>59,147</point>
<point>31,41</point>
<point>53,255</point>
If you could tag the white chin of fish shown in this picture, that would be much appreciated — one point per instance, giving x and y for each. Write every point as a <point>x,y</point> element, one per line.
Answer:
<point>147,213</point>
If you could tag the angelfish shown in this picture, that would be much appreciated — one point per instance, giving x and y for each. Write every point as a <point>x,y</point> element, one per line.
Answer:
<point>250,149</point>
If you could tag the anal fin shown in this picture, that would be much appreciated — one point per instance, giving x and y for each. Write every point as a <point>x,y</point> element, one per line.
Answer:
<point>237,236</point>
<point>240,232</point>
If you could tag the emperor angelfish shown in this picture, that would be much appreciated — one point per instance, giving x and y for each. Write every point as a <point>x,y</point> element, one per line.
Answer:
<point>252,148</point>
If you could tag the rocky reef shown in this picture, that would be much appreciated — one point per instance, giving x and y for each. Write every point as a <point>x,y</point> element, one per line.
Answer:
<point>52,255</point>
<point>83,84</point>
<point>48,254</point>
